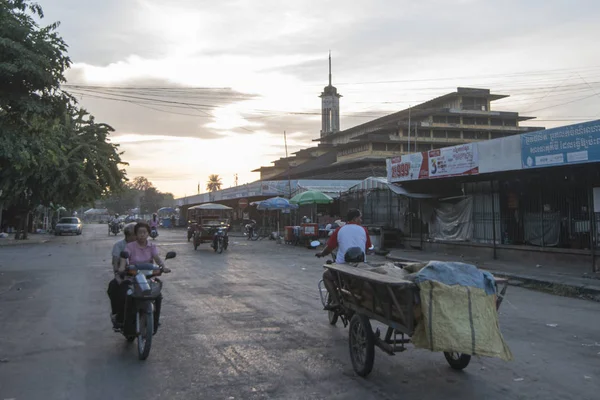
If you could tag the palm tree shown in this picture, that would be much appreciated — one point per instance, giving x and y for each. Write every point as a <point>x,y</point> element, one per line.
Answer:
<point>214,183</point>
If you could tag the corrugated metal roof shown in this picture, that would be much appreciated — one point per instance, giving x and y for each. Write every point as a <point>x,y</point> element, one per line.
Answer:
<point>370,183</point>
<point>332,188</point>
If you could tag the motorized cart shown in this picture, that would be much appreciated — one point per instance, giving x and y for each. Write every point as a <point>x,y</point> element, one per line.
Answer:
<point>395,302</point>
<point>204,220</point>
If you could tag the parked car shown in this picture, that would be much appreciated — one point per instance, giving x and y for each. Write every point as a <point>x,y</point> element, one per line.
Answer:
<point>68,225</point>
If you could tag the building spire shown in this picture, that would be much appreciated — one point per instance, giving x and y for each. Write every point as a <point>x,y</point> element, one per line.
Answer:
<point>329,67</point>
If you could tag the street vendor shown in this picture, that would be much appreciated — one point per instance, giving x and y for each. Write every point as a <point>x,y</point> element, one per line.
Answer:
<point>350,235</point>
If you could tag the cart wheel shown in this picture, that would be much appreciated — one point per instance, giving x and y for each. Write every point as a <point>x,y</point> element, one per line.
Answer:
<point>333,315</point>
<point>362,345</point>
<point>458,361</point>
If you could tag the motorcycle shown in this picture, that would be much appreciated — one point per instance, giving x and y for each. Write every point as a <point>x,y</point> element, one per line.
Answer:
<point>140,318</point>
<point>250,230</point>
<point>220,239</point>
<point>191,229</point>
<point>114,228</point>
<point>153,232</point>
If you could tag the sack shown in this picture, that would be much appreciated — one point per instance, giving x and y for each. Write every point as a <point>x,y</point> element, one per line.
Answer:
<point>459,319</point>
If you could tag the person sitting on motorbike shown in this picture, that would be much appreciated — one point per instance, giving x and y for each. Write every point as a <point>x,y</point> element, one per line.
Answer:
<point>351,235</point>
<point>154,221</point>
<point>141,251</point>
<point>117,288</point>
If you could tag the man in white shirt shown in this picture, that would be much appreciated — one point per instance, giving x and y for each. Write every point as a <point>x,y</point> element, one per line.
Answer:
<point>352,234</point>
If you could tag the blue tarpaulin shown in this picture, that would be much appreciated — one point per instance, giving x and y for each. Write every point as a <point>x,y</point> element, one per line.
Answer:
<point>457,273</point>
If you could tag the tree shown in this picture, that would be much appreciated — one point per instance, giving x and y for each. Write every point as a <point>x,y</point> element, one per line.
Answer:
<point>214,183</point>
<point>50,149</point>
<point>140,192</point>
<point>152,200</point>
<point>141,183</point>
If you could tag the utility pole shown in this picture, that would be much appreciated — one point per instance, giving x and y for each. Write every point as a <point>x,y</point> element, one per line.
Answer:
<point>288,165</point>
<point>416,137</point>
<point>235,180</point>
<point>408,130</point>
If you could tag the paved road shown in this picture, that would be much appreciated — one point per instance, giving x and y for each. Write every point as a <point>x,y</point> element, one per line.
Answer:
<point>247,325</point>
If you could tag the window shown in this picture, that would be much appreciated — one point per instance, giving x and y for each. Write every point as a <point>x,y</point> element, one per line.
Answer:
<point>439,119</point>
<point>379,147</point>
<point>453,134</point>
<point>510,122</point>
<point>468,121</point>
<point>481,121</point>
<point>423,147</point>
<point>453,120</point>
<point>440,134</point>
<point>496,122</point>
<point>474,103</point>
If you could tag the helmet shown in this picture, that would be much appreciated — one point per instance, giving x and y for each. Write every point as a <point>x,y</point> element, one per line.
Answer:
<point>354,255</point>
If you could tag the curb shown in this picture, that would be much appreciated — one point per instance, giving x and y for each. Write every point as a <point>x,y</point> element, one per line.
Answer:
<point>22,242</point>
<point>520,279</point>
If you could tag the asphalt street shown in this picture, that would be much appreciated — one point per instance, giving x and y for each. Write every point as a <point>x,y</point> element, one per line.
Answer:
<point>248,324</point>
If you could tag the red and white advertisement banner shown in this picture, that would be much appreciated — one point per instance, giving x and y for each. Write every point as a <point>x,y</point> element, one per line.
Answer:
<point>408,167</point>
<point>454,161</point>
<point>449,161</point>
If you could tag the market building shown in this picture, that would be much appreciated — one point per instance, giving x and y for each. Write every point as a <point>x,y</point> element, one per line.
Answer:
<point>463,116</point>
<point>527,197</point>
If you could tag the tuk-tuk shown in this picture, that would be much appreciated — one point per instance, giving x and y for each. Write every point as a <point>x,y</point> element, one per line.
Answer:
<point>204,220</point>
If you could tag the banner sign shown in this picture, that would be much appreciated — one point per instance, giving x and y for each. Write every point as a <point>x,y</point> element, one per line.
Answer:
<point>407,167</point>
<point>454,161</point>
<point>579,143</point>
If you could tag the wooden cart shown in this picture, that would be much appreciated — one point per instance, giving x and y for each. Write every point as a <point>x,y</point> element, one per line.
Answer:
<point>366,296</point>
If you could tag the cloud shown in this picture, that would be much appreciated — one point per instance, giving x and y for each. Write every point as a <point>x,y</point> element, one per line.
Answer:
<point>273,57</point>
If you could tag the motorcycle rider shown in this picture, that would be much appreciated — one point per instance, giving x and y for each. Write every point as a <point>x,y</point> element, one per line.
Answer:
<point>350,235</point>
<point>142,251</point>
<point>113,221</point>
<point>154,221</point>
<point>117,288</point>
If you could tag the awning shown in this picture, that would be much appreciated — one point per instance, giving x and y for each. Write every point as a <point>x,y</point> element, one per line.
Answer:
<point>370,184</point>
<point>403,192</point>
<point>378,183</point>
<point>332,188</point>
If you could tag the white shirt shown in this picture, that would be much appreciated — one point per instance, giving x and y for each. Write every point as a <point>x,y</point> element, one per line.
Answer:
<point>350,235</point>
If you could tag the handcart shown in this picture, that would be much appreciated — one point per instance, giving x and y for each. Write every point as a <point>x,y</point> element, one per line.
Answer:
<point>364,296</point>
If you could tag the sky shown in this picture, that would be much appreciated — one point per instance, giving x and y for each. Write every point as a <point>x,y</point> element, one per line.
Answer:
<point>197,87</point>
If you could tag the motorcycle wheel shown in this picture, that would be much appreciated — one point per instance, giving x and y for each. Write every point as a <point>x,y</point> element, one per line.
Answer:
<point>219,248</point>
<point>254,236</point>
<point>196,243</point>
<point>146,330</point>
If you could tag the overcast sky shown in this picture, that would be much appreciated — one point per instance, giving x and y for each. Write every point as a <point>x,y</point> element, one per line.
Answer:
<point>266,61</point>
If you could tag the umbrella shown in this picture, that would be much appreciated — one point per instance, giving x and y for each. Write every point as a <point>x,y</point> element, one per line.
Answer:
<point>311,197</point>
<point>166,209</point>
<point>276,203</point>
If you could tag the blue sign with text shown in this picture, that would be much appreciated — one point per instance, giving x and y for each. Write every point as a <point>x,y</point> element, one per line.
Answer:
<point>573,144</point>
